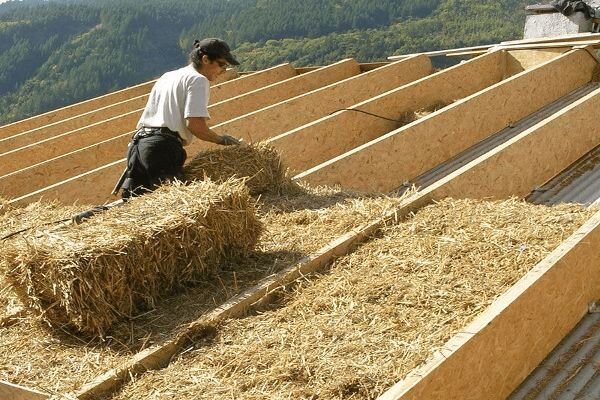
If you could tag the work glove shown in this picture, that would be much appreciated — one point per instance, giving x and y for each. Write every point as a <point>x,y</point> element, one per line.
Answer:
<point>227,140</point>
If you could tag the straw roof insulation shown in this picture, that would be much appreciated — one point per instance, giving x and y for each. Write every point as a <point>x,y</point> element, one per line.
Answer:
<point>379,313</point>
<point>258,164</point>
<point>90,275</point>
<point>295,225</point>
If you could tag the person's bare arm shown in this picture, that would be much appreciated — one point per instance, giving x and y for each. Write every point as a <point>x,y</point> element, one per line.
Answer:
<point>200,129</point>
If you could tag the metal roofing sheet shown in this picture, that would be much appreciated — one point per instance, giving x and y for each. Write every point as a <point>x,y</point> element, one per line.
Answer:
<point>572,370</point>
<point>497,139</point>
<point>580,183</point>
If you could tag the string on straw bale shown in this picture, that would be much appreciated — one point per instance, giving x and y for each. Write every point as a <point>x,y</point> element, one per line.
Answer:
<point>379,313</point>
<point>114,266</point>
<point>258,164</point>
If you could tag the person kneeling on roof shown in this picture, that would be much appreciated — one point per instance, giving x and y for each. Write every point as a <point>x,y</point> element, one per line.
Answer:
<point>176,112</point>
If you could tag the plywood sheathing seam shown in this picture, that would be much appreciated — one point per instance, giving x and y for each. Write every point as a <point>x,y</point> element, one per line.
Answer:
<point>309,145</point>
<point>423,144</point>
<point>84,138</point>
<point>276,92</point>
<point>503,345</point>
<point>9,391</point>
<point>218,92</point>
<point>75,109</point>
<point>96,187</point>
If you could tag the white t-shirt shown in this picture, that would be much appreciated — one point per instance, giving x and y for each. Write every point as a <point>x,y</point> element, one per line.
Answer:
<point>177,95</point>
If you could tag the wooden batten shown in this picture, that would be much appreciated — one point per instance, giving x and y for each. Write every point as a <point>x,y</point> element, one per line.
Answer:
<point>75,109</point>
<point>538,42</point>
<point>286,89</point>
<point>9,391</point>
<point>312,144</point>
<point>96,185</point>
<point>415,148</point>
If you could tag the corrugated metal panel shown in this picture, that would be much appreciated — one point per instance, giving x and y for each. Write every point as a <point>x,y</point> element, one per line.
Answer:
<point>571,371</point>
<point>497,139</point>
<point>580,183</point>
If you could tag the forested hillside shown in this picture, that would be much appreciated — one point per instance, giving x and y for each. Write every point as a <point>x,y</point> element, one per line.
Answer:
<point>59,52</point>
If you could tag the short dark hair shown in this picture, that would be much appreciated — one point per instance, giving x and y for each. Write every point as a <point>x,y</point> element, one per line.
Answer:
<point>213,48</point>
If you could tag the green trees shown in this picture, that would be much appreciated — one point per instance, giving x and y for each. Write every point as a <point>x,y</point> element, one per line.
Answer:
<point>63,51</point>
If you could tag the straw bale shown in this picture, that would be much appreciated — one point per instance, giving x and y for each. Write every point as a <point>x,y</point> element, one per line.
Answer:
<point>4,205</point>
<point>88,276</point>
<point>379,313</point>
<point>295,225</point>
<point>259,164</point>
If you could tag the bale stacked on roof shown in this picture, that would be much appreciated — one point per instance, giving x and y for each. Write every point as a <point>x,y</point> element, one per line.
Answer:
<point>258,164</point>
<point>90,275</point>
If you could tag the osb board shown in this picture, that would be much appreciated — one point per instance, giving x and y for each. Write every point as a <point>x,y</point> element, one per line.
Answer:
<point>92,187</point>
<point>530,158</point>
<point>68,142</point>
<point>8,391</point>
<point>420,146</point>
<point>326,138</point>
<point>66,125</point>
<point>522,60</point>
<point>41,175</point>
<point>288,88</point>
<point>75,109</point>
<point>289,114</point>
<point>500,348</point>
<point>249,82</point>
<point>218,92</point>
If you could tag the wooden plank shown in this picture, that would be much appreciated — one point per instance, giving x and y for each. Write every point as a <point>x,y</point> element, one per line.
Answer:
<point>557,45</point>
<point>157,357</point>
<point>96,187</point>
<point>467,50</point>
<point>312,144</point>
<point>75,109</point>
<point>286,89</point>
<point>415,148</point>
<point>218,92</point>
<point>9,391</point>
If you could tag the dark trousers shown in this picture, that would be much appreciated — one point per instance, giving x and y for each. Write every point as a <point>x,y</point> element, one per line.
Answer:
<point>152,158</point>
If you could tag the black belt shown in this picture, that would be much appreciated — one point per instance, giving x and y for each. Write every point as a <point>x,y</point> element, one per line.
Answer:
<point>146,131</point>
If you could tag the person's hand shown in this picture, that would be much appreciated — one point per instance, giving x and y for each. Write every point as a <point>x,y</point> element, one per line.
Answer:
<point>227,140</point>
